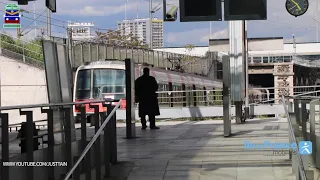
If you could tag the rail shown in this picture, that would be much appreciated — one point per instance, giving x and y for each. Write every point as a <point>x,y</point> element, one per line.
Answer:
<point>93,140</point>
<point>70,146</point>
<point>213,97</point>
<point>302,113</point>
<point>3,108</point>
<point>28,52</point>
<point>301,173</point>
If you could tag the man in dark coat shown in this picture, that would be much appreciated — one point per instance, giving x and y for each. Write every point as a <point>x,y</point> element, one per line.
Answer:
<point>145,88</point>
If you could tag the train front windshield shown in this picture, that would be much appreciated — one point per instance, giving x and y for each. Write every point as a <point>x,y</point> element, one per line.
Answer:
<point>83,84</point>
<point>108,83</point>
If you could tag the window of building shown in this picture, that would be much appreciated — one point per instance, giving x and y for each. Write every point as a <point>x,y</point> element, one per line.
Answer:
<point>256,59</point>
<point>265,59</point>
<point>287,58</point>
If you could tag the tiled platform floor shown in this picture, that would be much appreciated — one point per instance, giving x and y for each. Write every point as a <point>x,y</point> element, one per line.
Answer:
<point>198,151</point>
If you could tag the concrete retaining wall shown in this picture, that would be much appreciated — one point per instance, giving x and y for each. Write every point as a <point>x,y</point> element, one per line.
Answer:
<point>21,84</point>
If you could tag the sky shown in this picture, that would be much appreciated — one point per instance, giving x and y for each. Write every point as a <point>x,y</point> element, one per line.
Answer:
<point>105,14</point>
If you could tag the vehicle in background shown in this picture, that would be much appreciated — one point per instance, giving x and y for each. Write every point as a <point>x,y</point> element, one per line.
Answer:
<point>106,80</point>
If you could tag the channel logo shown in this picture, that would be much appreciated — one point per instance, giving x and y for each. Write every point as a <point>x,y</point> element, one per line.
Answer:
<point>305,147</point>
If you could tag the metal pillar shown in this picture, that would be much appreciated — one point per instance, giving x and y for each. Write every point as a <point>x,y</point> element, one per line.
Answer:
<point>59,80</point>
<point>69,45</point>
<point>48,24</point>
<point>245,57</point>
<point>0,88</point>
<point>130,108</point>
<point>66,81</point>
<point>226,96</point>
<point>53,82</point>
<point>236,66</point>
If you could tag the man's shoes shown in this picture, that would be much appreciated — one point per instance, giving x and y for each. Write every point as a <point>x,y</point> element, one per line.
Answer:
<point>155,127</point>
<point>144,127</point>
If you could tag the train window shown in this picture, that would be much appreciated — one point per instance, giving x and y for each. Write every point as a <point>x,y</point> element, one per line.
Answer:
<point>83,84</point>
<point>109,81</point>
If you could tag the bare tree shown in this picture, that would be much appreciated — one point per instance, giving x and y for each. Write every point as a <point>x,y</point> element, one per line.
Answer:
<point>181,62</point>
<point>115,38</point>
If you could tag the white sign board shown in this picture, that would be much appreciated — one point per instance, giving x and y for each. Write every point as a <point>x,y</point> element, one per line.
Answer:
<point>81,30</point>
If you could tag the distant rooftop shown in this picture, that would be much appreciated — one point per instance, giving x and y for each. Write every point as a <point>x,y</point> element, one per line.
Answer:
<point>301,48</point>
<point>139,19</point>
<point>260,38</point>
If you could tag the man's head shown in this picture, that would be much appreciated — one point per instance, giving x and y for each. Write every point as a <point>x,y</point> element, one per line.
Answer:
<point>146,71</point>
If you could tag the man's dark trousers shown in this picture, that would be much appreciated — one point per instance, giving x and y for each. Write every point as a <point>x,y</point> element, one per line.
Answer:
<point>152,120</point>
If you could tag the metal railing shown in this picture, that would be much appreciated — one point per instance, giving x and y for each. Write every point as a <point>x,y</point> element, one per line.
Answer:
<point>292,139</point>
<point>191,98</point>
<point>303,115</point>
<point>93,140</point>
<point>70,146</point>
<point>27,52</point>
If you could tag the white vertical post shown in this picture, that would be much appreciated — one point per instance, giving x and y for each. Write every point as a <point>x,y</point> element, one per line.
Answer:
<point>210,31</point>
<point>246,54</point>
<point>34,19</point>
<point>125,9</point>
<point>151,27</point>
<point>236,66</point>
<point>236,61</point>
<point>49,23</point>
<point>137,9</point>
<point>294,44</point>
<point>316,20</point>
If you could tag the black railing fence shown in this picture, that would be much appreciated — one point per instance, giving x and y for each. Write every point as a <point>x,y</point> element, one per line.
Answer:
<point>96,147</point>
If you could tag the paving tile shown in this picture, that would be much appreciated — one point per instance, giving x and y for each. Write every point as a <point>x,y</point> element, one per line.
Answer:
<point>152,173</point>
<point>198,151</point>
<point>184,174</point>
<point>254,177</point>
<point>143,178</point>
<point>181,178</point>
<point>226,173</point>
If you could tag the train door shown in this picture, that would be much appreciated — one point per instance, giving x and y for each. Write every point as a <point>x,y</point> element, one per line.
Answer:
<point>205,96</point>
<point>170,97</point>
<point>213,99</point>
<point>194,94</point>
<point>162,97</point>
<point>199,96</point>
<point>184,96</point>
<point>318,89</point>
<point>178,95</point>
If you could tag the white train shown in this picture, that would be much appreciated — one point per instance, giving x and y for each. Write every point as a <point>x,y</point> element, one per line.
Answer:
<point>106,79</point>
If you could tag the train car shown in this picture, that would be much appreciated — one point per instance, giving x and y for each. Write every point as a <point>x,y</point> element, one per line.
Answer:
<point>106,80</point>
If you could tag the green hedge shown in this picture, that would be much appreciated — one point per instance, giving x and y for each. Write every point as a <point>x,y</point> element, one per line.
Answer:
<point>31,50</point>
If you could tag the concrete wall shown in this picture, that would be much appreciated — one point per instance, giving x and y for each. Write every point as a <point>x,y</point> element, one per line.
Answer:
<point>21,84</point>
